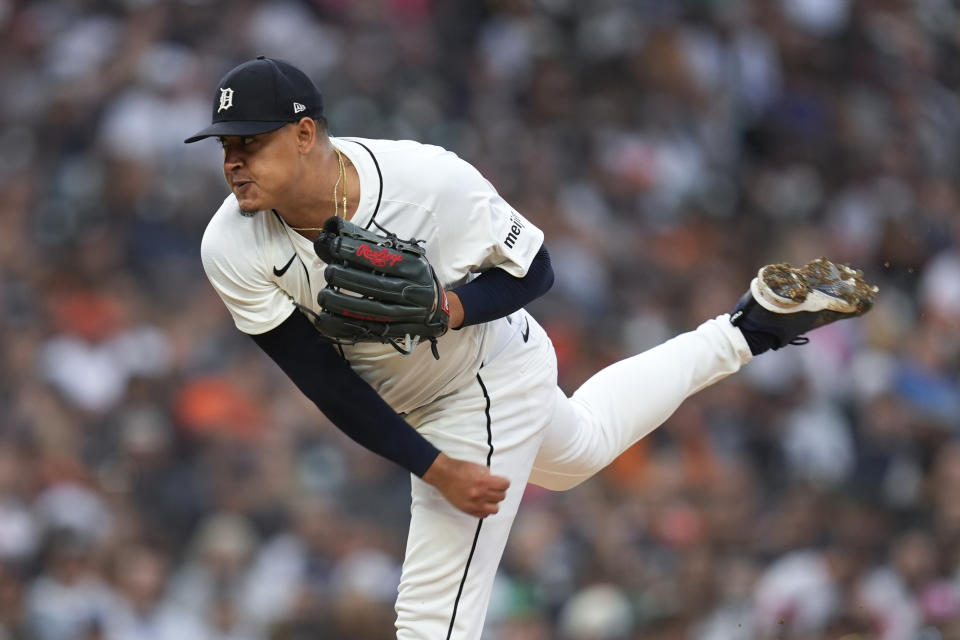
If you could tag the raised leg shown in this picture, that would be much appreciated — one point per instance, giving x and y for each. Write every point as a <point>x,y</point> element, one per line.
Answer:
<point>627,400</point>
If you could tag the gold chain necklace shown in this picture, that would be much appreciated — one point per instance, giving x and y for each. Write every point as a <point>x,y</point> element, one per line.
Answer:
<point>341,177</point>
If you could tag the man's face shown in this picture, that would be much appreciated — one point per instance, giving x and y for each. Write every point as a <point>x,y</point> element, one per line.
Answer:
<point>259,168</point>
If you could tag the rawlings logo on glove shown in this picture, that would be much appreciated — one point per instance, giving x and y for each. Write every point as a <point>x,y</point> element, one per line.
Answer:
<point>379,289</point>
<point>382,258</point>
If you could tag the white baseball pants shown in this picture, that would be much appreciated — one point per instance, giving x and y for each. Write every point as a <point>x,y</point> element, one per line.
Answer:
<point>515,419</point>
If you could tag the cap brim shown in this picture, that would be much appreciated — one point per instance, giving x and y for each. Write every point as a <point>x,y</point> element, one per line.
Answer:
<point>236,128</point>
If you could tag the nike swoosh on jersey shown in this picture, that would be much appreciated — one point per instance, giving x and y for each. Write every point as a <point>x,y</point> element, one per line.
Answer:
<point>282,270</point>
<point>526,331</point>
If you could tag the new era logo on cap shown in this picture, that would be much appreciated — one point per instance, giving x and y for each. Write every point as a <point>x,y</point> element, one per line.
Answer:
<point>255,97</point>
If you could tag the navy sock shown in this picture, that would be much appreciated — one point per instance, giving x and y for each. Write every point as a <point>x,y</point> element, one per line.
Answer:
<point>759,341</point>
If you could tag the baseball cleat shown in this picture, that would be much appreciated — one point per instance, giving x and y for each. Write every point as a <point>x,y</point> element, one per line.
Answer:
<point>785,302</point>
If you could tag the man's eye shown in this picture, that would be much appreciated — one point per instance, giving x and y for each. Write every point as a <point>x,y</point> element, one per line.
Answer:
<point>247,139</point>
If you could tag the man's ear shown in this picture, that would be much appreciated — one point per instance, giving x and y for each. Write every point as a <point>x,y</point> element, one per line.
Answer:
<point>307,135</point>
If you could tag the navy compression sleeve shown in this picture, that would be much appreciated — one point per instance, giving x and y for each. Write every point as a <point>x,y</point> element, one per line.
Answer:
<point>343,396</point>
<point>495,293</point>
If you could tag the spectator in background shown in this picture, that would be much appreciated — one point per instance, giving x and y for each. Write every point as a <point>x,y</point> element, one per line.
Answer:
<point>139,579</point>
<point>803,593</point>
<point>292,571</point>
<point>68,599</point>
<point>217,557</point>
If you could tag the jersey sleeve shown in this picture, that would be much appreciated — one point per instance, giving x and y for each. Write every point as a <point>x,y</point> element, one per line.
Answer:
<point>479,230</point>
<point>233,260</point>
<point>345,398</point>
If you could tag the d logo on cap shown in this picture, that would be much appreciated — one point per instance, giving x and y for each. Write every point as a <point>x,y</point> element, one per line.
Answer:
<point>226,99</point>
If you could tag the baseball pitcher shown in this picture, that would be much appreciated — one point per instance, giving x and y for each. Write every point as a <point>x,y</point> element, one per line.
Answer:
<point>387,279</point>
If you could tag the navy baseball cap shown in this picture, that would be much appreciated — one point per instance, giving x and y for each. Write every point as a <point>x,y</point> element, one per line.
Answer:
<point>259,96</point>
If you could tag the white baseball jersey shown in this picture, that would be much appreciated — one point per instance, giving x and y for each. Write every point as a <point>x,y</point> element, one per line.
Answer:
<point>260,266</point>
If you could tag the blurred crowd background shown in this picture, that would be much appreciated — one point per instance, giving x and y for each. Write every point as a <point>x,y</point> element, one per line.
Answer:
<point>160,479</point>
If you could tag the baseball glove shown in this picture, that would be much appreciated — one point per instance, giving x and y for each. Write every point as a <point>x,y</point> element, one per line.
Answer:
<point>379,289</point>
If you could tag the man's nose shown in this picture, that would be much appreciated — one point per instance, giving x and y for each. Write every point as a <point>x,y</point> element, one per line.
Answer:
<point>232,158</point>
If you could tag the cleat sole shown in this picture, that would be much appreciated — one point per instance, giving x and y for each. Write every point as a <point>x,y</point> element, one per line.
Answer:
<point>820,285</point>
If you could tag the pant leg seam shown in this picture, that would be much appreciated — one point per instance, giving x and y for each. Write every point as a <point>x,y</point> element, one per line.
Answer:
<point>476,536</point>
